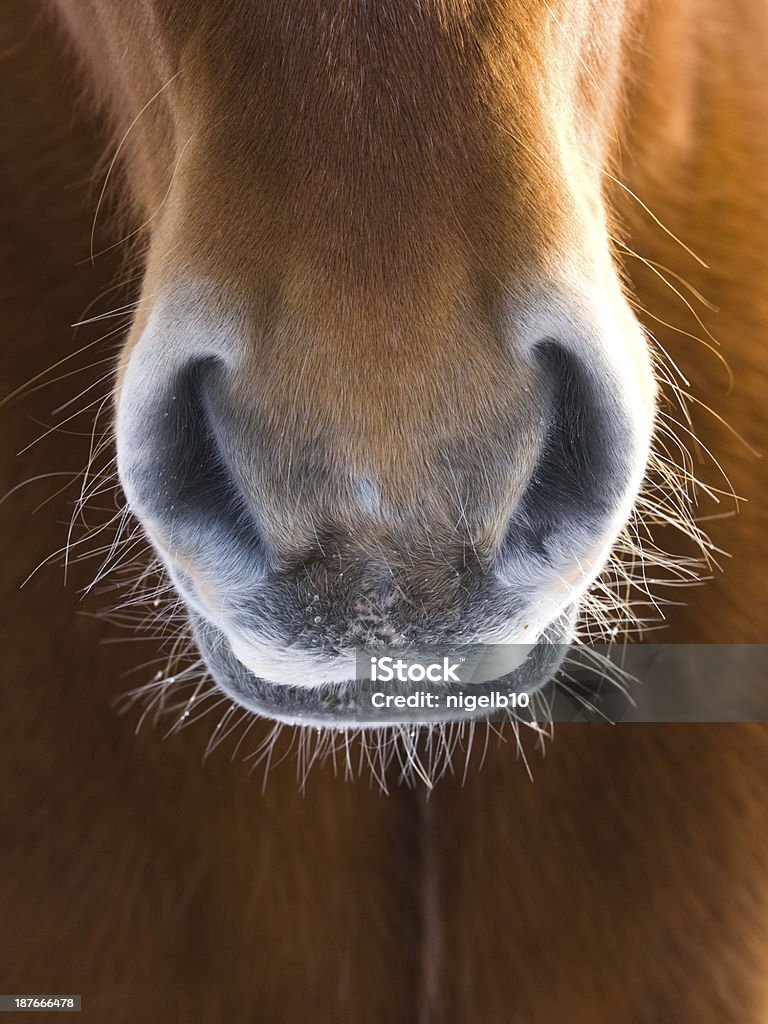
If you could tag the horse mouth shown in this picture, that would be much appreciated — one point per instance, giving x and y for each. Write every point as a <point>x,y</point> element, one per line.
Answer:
<point>361,702</point>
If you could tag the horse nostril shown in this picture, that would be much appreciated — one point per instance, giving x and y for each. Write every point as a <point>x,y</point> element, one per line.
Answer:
<point>583,473</point>
<point>174,470</point>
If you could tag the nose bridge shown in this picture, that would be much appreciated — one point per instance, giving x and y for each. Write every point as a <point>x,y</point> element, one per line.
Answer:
<point>402,154</point>
<point>427,417</point>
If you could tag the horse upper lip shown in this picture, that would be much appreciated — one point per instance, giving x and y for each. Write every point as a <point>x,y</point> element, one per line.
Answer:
<point>348,703</point>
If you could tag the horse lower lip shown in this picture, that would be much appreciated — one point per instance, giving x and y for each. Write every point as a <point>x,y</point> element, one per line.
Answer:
<point>349,704</point>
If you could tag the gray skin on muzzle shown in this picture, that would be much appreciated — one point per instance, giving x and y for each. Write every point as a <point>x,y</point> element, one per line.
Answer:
<point>348,703</point>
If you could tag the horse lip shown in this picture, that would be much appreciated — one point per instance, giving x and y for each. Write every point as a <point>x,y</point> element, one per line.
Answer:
<point>347,704</point>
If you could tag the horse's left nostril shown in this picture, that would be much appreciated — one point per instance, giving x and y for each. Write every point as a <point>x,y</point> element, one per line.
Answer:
<point>583,476</point>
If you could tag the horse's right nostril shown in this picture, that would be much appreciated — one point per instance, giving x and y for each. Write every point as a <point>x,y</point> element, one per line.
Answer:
<point>583,475</point>
<point>174,469</point>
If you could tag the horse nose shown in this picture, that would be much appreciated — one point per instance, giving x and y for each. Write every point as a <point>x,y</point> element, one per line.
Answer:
<point>460,554</point>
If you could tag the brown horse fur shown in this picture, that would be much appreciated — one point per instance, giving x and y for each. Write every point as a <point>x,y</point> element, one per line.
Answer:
<point>626,883</point>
